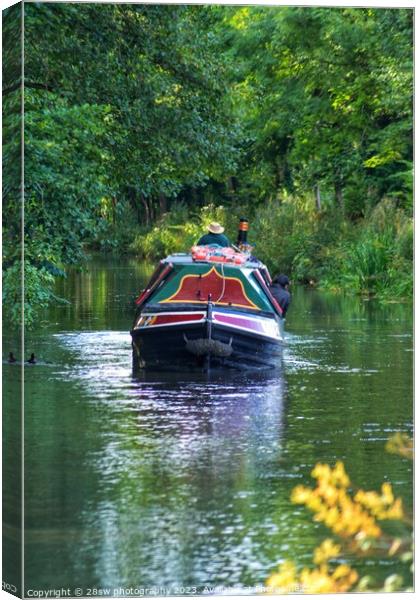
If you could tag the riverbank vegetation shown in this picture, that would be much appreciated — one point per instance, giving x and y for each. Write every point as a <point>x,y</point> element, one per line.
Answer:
<point>145,122</point>
<point>363,524</point>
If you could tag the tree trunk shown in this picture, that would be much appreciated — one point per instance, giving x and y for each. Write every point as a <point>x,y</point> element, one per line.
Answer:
<point>146,210</point>
<point>152,210</point>
<point>163,204</point>
<point>317,197</point>
<point>231,185</point>
<point>114,210</point>
<point>338,191</point>
<point>133,198</point>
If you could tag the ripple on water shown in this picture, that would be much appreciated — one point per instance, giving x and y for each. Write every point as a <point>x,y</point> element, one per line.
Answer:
<point>187,478</point>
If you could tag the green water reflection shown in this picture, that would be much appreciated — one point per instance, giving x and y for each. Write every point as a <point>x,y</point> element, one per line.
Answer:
<point>185,480</point>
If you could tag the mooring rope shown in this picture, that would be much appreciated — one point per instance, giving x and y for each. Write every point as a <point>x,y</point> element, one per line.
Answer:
<point>224,284</point>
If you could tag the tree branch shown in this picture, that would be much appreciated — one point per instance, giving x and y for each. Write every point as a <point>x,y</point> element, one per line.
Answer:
<point>28,84</point>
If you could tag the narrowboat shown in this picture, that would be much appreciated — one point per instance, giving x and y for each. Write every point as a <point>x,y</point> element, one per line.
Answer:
<point>205,309</point>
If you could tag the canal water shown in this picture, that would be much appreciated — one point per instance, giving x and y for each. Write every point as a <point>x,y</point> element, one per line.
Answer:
<point>184,481</point>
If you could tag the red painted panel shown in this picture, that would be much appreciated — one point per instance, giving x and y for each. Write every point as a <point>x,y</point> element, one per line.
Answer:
<point>265,287</point>
<point>167,319</point>
<point>223,290</point>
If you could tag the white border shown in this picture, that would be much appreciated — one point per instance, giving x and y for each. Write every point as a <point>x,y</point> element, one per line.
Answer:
<point>338,4</point>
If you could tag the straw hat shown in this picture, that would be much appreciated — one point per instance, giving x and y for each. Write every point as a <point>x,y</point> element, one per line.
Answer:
<point>215,228</point>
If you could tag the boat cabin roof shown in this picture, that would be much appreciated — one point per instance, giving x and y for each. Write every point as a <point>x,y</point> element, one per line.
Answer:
<point>183,258</point>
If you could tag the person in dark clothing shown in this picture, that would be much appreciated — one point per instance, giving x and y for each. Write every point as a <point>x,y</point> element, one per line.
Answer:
<point>214,236</point>
<point>280,290</point>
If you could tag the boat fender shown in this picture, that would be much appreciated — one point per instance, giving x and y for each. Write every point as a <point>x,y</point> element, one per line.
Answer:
<point>205,346</point>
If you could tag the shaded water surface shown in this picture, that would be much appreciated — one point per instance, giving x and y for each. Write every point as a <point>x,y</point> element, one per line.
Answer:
<point>185,481</point>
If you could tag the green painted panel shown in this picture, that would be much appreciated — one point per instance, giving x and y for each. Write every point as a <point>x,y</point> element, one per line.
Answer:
<point>251,288</point>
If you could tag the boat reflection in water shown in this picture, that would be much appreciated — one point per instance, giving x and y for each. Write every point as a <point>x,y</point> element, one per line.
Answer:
<point>200,502</point>
<point>222,404</point>
<point>184,476</point>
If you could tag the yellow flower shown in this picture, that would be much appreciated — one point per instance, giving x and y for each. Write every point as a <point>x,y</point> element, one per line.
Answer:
<point>315,503</point>
<point>371,530</point>
<point>345,578</point>
<point>402,444</point>
<point>301,494</point>
<point>329,494</point>
<point>349,516</point>
<point>320,580</point>
<point>317,581</point>
<point>321,471</point>
<point>325,551</point>
<point>341,571</point>
<point>387,494</point>
<point>332,516</point>
<point>340,476</point>
<point>370,500</point>
<point>396,510</point>
<point>284,581</point>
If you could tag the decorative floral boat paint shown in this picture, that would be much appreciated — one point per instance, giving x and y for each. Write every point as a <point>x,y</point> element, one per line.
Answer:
<point>210,308</point>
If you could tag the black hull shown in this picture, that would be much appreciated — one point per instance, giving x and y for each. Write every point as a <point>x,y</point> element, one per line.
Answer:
<point>188,347</point>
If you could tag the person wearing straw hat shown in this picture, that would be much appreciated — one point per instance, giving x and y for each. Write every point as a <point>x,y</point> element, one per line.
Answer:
<point>214,236</point>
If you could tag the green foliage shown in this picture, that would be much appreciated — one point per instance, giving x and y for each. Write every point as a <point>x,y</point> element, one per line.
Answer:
<point>18,301</point>
<point>362,523</point>
<point>178,230</point>
<point>373,257</point>
<point>66,170</point>
<point>155,67</point>
<point>377,260</point>
<point>325,97</point>
<point>293,237</point>
<point>132,110</point>
<point>124,106</point>
<point>119,227</point>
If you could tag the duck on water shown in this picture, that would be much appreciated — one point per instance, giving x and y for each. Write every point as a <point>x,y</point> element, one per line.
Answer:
<point>12,359</point>
<point>212,307</point>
